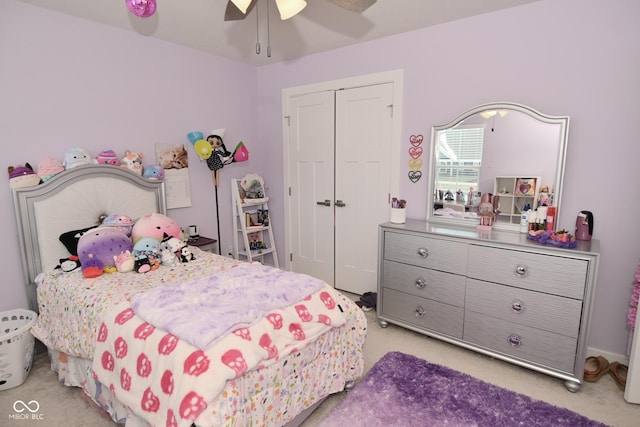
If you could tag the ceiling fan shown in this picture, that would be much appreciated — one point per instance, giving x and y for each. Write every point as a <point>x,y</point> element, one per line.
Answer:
<point>239,9</point>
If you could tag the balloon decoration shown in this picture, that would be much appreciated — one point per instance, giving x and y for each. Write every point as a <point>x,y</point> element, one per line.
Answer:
<point>141,8</point>
<point>214,152</point>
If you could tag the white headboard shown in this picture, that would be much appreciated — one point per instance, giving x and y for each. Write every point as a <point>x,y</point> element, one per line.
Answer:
<point>72,200</point>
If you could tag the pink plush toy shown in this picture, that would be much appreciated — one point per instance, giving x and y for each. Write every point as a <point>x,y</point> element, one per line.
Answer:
<point>48,168</point>
<point>108,157</point>
<point>156,226</point>
<point>124,261</point>
<point>132,161</point>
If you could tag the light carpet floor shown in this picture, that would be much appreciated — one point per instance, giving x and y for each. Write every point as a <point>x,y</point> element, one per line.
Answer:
<point>601,401</point>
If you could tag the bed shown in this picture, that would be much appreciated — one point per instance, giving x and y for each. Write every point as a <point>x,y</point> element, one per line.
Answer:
<point>151,367</point>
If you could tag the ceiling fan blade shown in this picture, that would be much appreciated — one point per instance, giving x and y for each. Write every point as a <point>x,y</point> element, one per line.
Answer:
<point>358,6</point>
<point>232,13</point>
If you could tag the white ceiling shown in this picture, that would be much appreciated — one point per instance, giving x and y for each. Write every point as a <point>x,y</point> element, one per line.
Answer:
<point>321,26</point>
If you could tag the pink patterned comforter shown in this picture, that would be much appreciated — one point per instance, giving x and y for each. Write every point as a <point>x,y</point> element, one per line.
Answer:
<point>167,381</point>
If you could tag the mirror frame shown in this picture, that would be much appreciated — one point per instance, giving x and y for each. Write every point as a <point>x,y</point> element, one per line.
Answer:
<point>562,121</point>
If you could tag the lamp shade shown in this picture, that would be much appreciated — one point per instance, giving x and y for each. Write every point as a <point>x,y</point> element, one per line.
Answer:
<point>203,149</point>
<point>289,8</point>
<point>243,5</point>
<point>240,154</point>
<point>219,132</point>
<point>195,136</point>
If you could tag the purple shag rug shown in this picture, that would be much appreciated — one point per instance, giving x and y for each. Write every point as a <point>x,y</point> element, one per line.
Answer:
<point>403,390</point>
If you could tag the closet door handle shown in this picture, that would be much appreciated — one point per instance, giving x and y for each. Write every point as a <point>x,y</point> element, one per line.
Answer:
<point>340,204</point>
<point>325,203</point>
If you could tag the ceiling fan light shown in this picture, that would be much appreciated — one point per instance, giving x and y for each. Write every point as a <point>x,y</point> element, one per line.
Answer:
<point>290,8</point>
<point>243,5</point>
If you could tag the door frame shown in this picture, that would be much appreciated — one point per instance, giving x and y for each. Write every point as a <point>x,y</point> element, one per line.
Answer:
<point>393,76</point>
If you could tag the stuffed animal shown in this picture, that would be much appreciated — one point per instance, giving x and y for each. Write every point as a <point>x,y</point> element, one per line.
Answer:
<point>100,245</point>
<point>132,161</point>
<point>92,267</point>
<point>122,222</point>
<point>185,254</point>
<point>124,261</point>
<point>108,157</point>
<point>69,264</point>
<point>169,250</point>
<point>153,172</point>
<point>22,176</point>
<point>147,246</point>
<point>76,157</point>
<point>144,263</point>
<point>155,225</point>
<point>48,168</point>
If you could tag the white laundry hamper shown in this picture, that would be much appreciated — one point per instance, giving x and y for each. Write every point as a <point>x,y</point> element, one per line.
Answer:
<point>16,346</point>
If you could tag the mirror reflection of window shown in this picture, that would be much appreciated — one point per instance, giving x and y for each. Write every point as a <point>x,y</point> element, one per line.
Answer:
<point>459,159</point>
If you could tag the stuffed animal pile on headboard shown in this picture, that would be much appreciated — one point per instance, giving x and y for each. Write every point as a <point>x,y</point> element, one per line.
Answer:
<point>25,176</point>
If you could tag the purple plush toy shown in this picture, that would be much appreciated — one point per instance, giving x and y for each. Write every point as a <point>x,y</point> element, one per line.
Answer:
<point>22,176</point>
<point>101,244</point>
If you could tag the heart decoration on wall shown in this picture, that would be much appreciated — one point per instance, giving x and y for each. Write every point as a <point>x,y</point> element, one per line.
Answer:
<point>415,176</point>
<point>415,152</point>
<point>415,164</point>
<point>416,140</point>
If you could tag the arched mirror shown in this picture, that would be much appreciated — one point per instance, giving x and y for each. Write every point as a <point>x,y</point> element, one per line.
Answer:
<point>504,149</point>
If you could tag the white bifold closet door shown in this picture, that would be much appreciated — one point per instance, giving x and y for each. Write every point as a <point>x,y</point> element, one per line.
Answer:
<point>339,160</point>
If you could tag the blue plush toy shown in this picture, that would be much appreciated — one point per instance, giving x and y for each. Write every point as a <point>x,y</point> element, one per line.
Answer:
<point>153,172</point>
<point>76,157</point>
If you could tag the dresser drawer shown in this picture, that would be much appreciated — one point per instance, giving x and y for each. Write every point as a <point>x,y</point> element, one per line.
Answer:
<point>443,255</point>
<point>423,282</point>
<point>526,343</point>
<point>541,311</point>
<point>539,272</point>
<point>423,313</point>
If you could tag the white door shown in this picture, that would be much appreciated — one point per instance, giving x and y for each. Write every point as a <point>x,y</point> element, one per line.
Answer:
<point>339,160</point>
<point>363,158</point>
<point>311,178</point>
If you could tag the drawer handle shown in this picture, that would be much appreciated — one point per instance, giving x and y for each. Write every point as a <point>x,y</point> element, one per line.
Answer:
<point>420,311</point>
<point>514,340</point>
<point>422,252</point>
<point>517,307</point>
<point>521,270</point>
<point>421,283</point>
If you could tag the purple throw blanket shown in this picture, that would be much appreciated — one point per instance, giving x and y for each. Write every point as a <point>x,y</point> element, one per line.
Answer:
<point>202,310</point>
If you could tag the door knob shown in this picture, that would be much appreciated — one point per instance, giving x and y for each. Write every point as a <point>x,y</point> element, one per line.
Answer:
<point>340,204</point>
<point>325,203</point>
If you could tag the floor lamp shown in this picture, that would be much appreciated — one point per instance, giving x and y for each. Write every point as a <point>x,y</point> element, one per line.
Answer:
<point>214,152</point>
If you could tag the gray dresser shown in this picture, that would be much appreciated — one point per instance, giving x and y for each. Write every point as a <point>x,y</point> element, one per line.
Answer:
<point>499,294</point>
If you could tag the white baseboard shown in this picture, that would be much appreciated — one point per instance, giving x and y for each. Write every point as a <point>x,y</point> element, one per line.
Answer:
<point>611,357</point>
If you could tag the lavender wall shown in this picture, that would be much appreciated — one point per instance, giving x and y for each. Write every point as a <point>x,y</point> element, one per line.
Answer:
<point>561,57</point>
<point>66,82</point>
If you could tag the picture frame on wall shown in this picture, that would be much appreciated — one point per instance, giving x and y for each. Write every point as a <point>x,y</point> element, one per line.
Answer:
<point>526,186</point>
